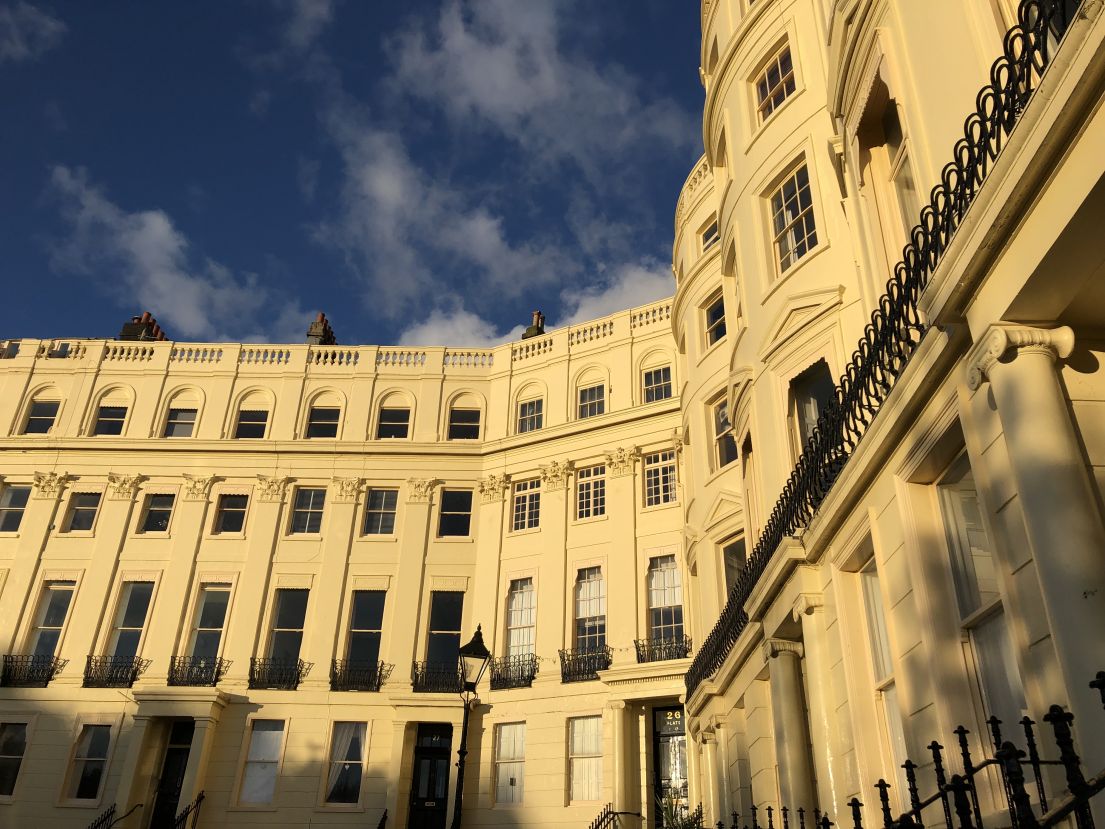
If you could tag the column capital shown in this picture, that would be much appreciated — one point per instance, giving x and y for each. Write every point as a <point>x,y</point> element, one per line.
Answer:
<point>493,487</point>
<point>421,489</point>
<point>1000,338</point>
<point>774,647</point>
<point>617,704</point>
<point>554,476</point>
<point>347,489</point>
<point>620,461</point>
<point>272,489</point>
<point>198,488</point>
<point>807,604</point>
<point>48,485</point>
<point>123,487</point>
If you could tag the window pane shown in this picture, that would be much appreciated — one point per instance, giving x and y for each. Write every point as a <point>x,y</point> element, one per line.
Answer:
<point>213,607</point>
<point>393,423</point>
<point>251,423</point>
<point>291,608</point>
<point>109,420</point>
<point>464,424</point>
<point>323,422</point>
<point>446,608</point>
<point>368,610</point>
<point>364,647</point>
<point>41,417</point>
<point>180,423</point>
<point>380,511</point>
<point>137,604</point>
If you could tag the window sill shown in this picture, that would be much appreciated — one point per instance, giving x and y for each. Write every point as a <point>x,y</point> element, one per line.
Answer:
<point>454,539</point>
<point>660,507</point>
<point>226,536</point>
<point>10,534</point>
<point>153,536</point>
<point>527,531</point>
<point>378,538</point>
<point>339,808</point>
<point>267,808</point>
<point>69,803</point>
<point>303,536</point>
<point>762,127</point>
<point>592,520</point>
<point>75,534</point>
<point>711,348</point>
<point>781,279</point>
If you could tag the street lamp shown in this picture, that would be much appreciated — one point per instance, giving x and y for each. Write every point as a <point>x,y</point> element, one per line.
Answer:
<point>474,658</point>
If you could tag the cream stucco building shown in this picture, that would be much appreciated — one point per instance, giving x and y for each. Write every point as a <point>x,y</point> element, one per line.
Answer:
<point>718,553</point>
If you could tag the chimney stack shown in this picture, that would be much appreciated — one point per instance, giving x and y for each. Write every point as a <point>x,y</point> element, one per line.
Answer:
<point>536,327</point>
<point>144,327</point>
<point>319,332</point>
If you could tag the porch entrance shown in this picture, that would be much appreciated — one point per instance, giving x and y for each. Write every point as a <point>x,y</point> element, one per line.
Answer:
<point>167,797</point>
<point>430,778</point>
<point>669,762</point>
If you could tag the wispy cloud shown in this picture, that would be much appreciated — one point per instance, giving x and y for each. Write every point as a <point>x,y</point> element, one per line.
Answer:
<point>457,327</point>
<point>626,286</point>
<point>511,67</point>
<point>146,262</point>
<point>26,32</point>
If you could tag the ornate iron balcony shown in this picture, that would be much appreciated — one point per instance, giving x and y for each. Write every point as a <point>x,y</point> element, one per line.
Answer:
<point>197,671</point>
<point>277,674</point>
<point>436,678</point>
<point>358,676</point>
<point>113,671</point>
<point>581,664</point>
<point>660,650</point>
<point>896,327</point>
<point>513,671</point>
<point>27,671</point>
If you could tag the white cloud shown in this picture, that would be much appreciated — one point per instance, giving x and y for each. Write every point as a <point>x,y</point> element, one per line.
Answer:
<point>458,328</point>
<point>26,32</point>
<point>417,242</point>
<point>509,65</point>
<point>306,21</point>
<point>146,262</point>
<point>625,286</point>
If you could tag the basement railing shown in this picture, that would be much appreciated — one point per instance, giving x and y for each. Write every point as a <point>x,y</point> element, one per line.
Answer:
<point>896,329</point>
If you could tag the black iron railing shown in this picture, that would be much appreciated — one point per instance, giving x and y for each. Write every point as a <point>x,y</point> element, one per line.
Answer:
<point>604,819</point>
<point>113,671</point>
<point>277,674</point>
<point>346,675</point>
<point>197,671</point>
<point>105,819</point>
<point>896,329</point>
<point>192,810</point>
<point>955,802</point>
<point>513,671</point>
<point>436,678</point>
<point>659,650</point>
<point>28,671</point>
<point>383,820</point>
<point>581,664</point>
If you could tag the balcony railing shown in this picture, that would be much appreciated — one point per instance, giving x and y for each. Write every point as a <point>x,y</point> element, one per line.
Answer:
<point>197,671</point>
<point>358,676</point>
<point>582,664</point>
<point>27,671</point>
<point>436,678</point>
<point>277,674</point>
<point>113,671</point>
<point>513,671</point>
<point>660,650</point>
<point>896,329</point>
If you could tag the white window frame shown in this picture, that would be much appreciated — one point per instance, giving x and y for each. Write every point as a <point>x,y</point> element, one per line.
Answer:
<point>40,613</point>
<point>787,83</point>
<point>590,492</point>
<point>594,600</point>
<point>309,511</point>
<point>71,508</point>
<point>264,431</point>
<point>28,722</point>
<point>661,478</point>
<point>369,511</point>
<point>244,761</point>
<point>122,593</point>
<point>311,422</point>
<point>516,762</point>
<point>591,401</point>
<point>169,421</point>
<point>324,792</point>
<point>711,337</point>
<point>788,261</point>
<point>147,501</point>
<point>193,629</point>
<point>218,512</point>
<point>521,617</point>
<point>525,505</point>
<point>4,490</point>
<point>112,725</point>
<point>534,420</point>
<point>594,758</point>
<point>664,383</point>
<point>30,409</point>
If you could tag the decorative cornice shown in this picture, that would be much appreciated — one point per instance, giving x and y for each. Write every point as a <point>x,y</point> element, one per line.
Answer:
<point>346,490</point>
<point>420,490</point>
<point>123,487</point>
<point>272,489</point>
<point>620,461</point>
<point>554,476</point>
<point>1058,343</point>
<point>807,604</point>
<point>49,484</point>
<point>493,487</point>
<point>198,488</point>
<point>774,647</point>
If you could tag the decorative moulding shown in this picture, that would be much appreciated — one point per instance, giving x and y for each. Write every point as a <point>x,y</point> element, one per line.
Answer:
<point>49,484</point>
<point>774,647</point>
<point>807,604</point>
<point>421,489</point>
<point>620,461</point>
<point>123,487</point>
<point>554,476</point>
<point>271,489</point>
<point>347,489</point>
<point>494,487</point>
<point>197,488</point>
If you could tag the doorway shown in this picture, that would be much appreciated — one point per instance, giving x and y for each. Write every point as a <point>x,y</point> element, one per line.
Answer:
<point>669,762</point>
<point>171,779</point>
<point>430,777</point>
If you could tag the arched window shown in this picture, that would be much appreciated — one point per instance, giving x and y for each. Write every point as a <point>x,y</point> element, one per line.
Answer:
<point>465,414</point>
<point>590,394</point>
<point>42,413</point>
<point>110,417</point>
<point>530,409</point>
<point>323,416</point>
<point>394,419</point>
<point>182,414</point>
<point>254,413</point>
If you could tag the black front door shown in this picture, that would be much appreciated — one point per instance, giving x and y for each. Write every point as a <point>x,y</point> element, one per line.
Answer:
<point>430,780</point>
<point>669,754</point>
<point>167,798</point>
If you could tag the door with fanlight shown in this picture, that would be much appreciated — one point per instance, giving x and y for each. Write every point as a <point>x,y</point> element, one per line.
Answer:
<point>430,779</point>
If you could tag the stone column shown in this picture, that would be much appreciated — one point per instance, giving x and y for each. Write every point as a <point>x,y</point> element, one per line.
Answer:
<point>203,739</point>
<point>711,799</point>
<point>1061,513</point>
<point>622,579</point>
<point>401,647</point>
<point>792,736</point>
<point>126,795</point>
<point>623,755</point>
<point>721,772</point>
<point>552,540</point>
<point>825,731</point>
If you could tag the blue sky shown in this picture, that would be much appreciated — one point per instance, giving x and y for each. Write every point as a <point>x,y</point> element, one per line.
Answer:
<point>424,171</point>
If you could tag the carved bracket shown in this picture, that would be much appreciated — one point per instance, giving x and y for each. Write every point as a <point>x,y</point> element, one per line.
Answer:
<point>554,476</point>
<point>198,488</point>
<point>123,487</point>
<point>347,489</point>
<point>272,489</point>
<point>494,487</point>
<point>49,484</point>
<point>421,489</point>
<point>620,461</point>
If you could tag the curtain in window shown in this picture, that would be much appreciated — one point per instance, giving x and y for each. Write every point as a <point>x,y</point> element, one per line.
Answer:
<point>585,751</point>
<point>346,755</point>
<point>510,755</point>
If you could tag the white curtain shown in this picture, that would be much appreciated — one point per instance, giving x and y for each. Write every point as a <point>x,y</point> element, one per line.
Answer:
<point>259,777</point>
<point>585,753</point>
<point>510,756</point>
<point>346,749</point>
